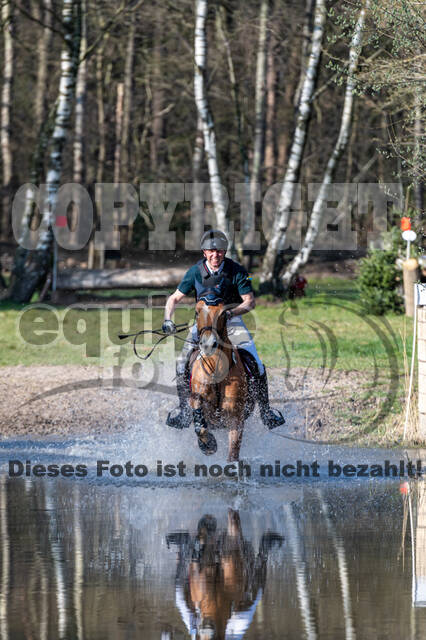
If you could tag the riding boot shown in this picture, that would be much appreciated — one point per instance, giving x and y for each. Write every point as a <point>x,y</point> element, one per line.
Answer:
<point>182,419</point>
<point>271,418</point>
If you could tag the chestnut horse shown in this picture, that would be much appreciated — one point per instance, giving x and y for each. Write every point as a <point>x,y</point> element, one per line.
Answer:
<point>220,578</point>
<point>219,388</point>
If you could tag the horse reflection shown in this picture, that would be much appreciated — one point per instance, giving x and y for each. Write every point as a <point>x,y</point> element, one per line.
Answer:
<point>220,579</point>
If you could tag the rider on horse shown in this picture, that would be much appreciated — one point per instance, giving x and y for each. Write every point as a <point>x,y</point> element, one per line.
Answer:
<point>218,276</point>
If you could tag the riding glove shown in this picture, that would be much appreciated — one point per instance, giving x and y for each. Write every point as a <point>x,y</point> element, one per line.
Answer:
<point>168,327</point>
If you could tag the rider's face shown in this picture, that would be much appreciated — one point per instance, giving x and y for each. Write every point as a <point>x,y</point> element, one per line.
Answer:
<point>214,257</point>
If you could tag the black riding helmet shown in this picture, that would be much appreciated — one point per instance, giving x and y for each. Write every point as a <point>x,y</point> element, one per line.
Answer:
<point>214,239</point>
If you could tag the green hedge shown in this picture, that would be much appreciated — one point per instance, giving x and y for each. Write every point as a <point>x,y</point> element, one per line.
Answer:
<point>378,281</point>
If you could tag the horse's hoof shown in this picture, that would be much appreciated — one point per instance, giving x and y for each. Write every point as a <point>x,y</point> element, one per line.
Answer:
<point>207,443</point>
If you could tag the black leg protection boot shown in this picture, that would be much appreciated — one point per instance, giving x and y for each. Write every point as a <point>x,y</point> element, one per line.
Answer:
<point>181,417</point>
<point>271,418</point>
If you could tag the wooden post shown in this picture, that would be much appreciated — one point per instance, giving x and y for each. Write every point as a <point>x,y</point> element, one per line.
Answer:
<point>411,276</point>
<point>421,350</point>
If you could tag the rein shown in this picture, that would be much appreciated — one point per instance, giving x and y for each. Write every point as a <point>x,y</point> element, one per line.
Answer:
<point>156,332</point>
<point>184,326</point>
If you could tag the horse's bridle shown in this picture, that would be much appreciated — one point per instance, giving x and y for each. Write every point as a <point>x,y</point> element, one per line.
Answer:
<point>214,331</point>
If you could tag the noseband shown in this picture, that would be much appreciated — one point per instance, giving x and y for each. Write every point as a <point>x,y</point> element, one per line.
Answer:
<point>214,331</point>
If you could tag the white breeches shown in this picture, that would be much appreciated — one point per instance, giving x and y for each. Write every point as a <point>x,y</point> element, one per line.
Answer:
<point>238,334</point>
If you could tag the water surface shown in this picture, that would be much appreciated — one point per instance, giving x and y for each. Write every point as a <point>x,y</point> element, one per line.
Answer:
<point>307,559</point>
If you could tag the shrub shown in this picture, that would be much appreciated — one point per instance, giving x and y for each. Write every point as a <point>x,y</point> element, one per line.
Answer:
<point>377,282</point>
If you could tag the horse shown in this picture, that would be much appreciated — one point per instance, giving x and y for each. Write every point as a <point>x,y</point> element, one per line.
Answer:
<point>219,387</point>
<point>220,578</point>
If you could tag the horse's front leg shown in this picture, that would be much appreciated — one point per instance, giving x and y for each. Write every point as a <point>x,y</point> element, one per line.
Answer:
<point>235,437</point>
<point>196,402</point>
<point>233,400</point>
<point>200,424</point>
<point>206,440</point>
<point>234,420</point>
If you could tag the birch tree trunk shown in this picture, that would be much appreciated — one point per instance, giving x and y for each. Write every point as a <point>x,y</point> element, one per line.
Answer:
<point>345,127</point>
<point>259,127</point>
<point>296,153</point>
<point>36,177</point>
<point>6,105</point>
<point>306,43</point>
<point>44,45</point>
<point>201,101</point>
<point>34,265</point>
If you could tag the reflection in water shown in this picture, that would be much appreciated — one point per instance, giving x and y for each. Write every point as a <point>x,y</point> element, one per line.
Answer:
<point>58,563</point>
<point>219,578</point>
<point>44,609</point>
<point>78,565</point>
<point>343,570</point>
<point>102,562</point>
<point>301,574</point>
<point>5,561</point>
<point>416,496</point>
